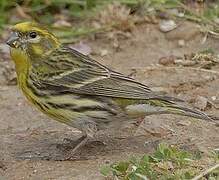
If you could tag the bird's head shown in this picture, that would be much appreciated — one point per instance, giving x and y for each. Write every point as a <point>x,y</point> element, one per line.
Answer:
<point>32,38</point>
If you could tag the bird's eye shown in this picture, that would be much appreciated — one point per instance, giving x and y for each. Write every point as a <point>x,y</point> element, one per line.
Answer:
<point>33,35</point>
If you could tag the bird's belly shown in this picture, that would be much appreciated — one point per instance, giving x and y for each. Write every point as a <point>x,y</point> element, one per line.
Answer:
<point>78,110</point>
<point>75,110</point>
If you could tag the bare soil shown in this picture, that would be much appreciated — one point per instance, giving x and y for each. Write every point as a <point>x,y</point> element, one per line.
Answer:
<point>30,140</point>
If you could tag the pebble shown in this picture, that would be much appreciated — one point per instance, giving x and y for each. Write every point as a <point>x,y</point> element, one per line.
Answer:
<point>214,98</point>
<point>62,23</point>
<point>167,60</point>
<point>103,52</point>
<point>181,43</point>
<point>34,171</point>
<point>167,25</point>
<point>201,102</point>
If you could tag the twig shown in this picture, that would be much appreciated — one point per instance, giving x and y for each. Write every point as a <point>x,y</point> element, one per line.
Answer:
<point>206,172</point>
<point>213,104</point>
<point>214,34</point>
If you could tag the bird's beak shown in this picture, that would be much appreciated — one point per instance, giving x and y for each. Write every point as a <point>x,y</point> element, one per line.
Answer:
<point>13,40</point>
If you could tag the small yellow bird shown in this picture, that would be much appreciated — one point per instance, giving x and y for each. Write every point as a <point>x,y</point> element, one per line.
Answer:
<point>76,90</point>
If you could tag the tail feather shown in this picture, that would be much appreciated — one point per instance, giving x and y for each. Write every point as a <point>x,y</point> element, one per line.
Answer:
<point>184,111</point>
<point>177,106</point>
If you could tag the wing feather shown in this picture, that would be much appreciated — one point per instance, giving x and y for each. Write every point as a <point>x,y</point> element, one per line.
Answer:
<point>88,77</point>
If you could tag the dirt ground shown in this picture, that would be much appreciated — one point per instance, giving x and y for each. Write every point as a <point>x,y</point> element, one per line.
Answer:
<point>29,141</point>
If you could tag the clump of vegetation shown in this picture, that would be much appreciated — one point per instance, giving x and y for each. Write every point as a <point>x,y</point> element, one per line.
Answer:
<point>166,163</point>
<point>51,11</point>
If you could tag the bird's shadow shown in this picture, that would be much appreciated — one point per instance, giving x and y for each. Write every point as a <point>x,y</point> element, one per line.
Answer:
<point>55,147</point>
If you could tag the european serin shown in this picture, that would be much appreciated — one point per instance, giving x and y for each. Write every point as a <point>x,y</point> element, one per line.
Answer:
<point>76,90</point>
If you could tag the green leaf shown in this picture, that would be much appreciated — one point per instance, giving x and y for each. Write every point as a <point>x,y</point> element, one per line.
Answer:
<point>91,3</point>
<point>121,167</point>
<point>105,170</point>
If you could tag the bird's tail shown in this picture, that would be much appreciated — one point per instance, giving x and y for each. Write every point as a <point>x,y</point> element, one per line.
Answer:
<point>184,111</point>
<point>177,106</point>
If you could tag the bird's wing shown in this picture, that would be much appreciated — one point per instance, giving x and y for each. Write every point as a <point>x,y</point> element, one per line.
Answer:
<point>77,73</point>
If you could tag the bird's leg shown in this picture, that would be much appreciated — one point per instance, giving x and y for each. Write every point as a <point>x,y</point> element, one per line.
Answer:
<point>89,130</point>
<point>81,142</point>
<point>75,146</point>
<point>72,146</point>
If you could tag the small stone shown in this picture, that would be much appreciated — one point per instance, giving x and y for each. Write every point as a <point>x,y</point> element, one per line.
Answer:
<point>216,149</point>
<point>103,52</point>
<point>167,60</point>
<point>151,128</point>
<point>181,43</point>
<point>181,14</point>
<point>214,98</point>
<point>184,123</point>
<point>62,23</point>
<point>201,102</point>
<point>167,25</point>
<point>116,43</point>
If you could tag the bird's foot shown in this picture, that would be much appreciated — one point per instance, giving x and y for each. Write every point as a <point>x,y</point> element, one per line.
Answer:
<point>71,152</point>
